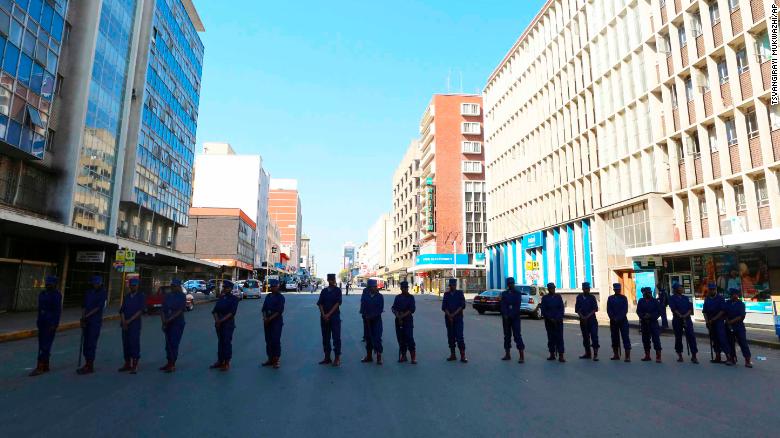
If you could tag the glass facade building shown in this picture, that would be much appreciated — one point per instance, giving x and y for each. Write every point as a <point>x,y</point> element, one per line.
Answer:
<point>31,34</point>
<point>107,88</point>
<point>166,144</point>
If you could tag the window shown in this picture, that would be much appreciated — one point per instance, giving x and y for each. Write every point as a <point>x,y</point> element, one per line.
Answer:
<point>686,208</point>
<point>689,89</point>
<point>694,147</point>
<point>774,116</point>
<point>762,47</point>
<point>762,195</point>
<point>469,109</point>
<point>752,123</point>
<point>731,131</point>
<point>472,167</point>
<point>681,36</point>
<point>739,197</point>
<point>742,61</point>
<point>705,81</point>
<point>723,71</point>
<point>714,12</point>
<point>673,91</point>
<point>720,201</point>
<point>703,206</point>
<point>667,45</point>
<point>471,128</point>
<point>733,5</point>
<point>696,24</point>
<point>713,138</point>
<point>472,147</point>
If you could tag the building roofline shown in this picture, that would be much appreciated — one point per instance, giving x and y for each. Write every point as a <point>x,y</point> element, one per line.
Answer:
<point>194,17</point>
<point>519,41</point>
<point>216,211</point>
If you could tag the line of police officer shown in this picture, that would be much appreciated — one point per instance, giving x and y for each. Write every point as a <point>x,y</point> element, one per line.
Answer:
<point>725,321</point>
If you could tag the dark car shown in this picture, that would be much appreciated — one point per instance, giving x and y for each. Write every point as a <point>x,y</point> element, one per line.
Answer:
<point>488,301</point>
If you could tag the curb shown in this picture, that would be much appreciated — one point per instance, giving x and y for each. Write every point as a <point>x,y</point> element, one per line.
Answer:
<point>70,325</point>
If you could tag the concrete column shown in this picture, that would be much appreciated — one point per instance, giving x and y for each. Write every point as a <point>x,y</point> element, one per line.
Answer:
<point>76,68</point>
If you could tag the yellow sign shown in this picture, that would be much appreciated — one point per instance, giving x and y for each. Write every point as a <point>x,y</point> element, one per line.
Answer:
<point>120,255</point>
<point>531,265</point>
<point>130,255</point>
<point>129,266</point>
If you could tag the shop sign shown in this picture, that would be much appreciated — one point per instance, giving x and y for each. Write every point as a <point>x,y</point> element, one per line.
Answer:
<point>442,259</point>
<point>645,263</point>
<point>532,265</point>
<point>533,240</point>
<point>90,256</point>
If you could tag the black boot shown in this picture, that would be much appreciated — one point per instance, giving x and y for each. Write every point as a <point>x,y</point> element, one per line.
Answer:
<point>452,357</point>
<point>507,356</point>
<point>587,354</point>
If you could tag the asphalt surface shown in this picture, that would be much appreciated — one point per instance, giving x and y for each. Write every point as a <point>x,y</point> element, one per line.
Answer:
<point>486,397</point>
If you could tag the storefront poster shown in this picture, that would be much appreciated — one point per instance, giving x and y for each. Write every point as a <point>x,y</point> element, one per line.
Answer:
<point>644,279</point>
<point>746,272</point>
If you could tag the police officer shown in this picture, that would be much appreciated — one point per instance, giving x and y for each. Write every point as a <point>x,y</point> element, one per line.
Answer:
<point>273,321</point>
<point>735,314</point>
<point>224,313</point>
<point>130,320</point>
<point>372,304</point>
<point>663,300</point>
<point>403,309</point>
<point>330,321</point>
<point>49,312</point>
<point>91,322</point>
<point>682,309</point>
<point>714,311</point>
<point>510,315</point>
<point>453,304</point>
<point>617,309</point>
<point>172,317</point>
<point>648,310</point>
<point>586,308</point>
<point>552,311</point>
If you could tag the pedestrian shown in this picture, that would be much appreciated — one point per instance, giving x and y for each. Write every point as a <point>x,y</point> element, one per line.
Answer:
<point>586,307</point>
<point>510,316</point>
<point>91,322</point>
<point>348,285</point>
<point>648,310</point>
<point>172,317</point>
<point>682,309</point>
<point>273,321</point>
<point>330,321</point>
<point>453,304</point>
<point>224,313</point>
<point>130,320</point>
<point>372,304</point>
<point>714,311</point>
<point>735,312</point>
<point>663,300</point>
<point>552,311</point>
<point>49,312</point>
<point>403,309</point>
<point>617,309</point>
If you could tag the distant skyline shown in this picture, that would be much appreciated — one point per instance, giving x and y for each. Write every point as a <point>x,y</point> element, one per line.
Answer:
<point>331,93</point>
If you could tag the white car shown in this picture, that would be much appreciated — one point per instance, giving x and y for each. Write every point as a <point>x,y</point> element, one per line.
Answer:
<point>250,288</point>
<point>291,286</point>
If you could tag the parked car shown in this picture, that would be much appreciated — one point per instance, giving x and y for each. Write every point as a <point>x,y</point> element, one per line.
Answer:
<point>154,301</point>
<point>194,286</point>
<point>531,297</point>
<point>237,291</point>
<point>250,288</point>
<point>489,300</point>
<point>291,285</point>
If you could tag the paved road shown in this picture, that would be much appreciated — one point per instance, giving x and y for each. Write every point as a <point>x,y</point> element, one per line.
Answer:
<point>486,397</point>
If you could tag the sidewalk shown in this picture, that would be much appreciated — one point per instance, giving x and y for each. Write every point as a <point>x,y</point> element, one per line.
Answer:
<point>16,326</point>
<point>760,336</point>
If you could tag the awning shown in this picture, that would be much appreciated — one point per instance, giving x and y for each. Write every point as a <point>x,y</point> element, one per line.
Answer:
<point>426,268</point>
<point>749,240</point>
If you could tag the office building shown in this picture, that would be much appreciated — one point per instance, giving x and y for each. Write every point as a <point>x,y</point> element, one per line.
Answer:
<point>635,143</point>
<point>452,194</point>
<point>379,247</point>
<point>406,213</point>
<point>284,208</point>
<point>224,179</point>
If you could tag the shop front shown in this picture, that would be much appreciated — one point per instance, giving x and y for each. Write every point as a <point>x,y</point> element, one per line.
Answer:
<point>432,272</point>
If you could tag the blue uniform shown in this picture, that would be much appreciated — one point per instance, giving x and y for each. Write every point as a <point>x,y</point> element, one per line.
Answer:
<point>49,312</point>
<point>226,304</point>
<point>510,313</point>
<point>329,297</point>
<point>680,304</point>
<point>552,311</point>
<point>617,309</point>
<point>404,329</point>
<point>174,329</point>
<point>94,299</point>
<point>274,303</point>
<point>452,302</point>
<point>736,309</point>
<point>131,337</point>
<point>371,307</point>
<point>648,310</point>
<point>663,300</point>
<point>585,304</point>
<point>717,328</point>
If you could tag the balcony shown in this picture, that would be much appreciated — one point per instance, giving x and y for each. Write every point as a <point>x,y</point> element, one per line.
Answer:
<point>471,128</point>
<point>428,154</point>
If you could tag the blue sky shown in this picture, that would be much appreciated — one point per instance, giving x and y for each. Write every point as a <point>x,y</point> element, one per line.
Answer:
<point>331,93</point>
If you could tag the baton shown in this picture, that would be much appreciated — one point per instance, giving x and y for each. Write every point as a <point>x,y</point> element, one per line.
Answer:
<point>81,346</point>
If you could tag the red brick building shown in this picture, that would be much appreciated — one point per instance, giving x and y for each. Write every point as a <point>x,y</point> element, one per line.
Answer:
<point>452,192</point>
<point>284,208</point>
